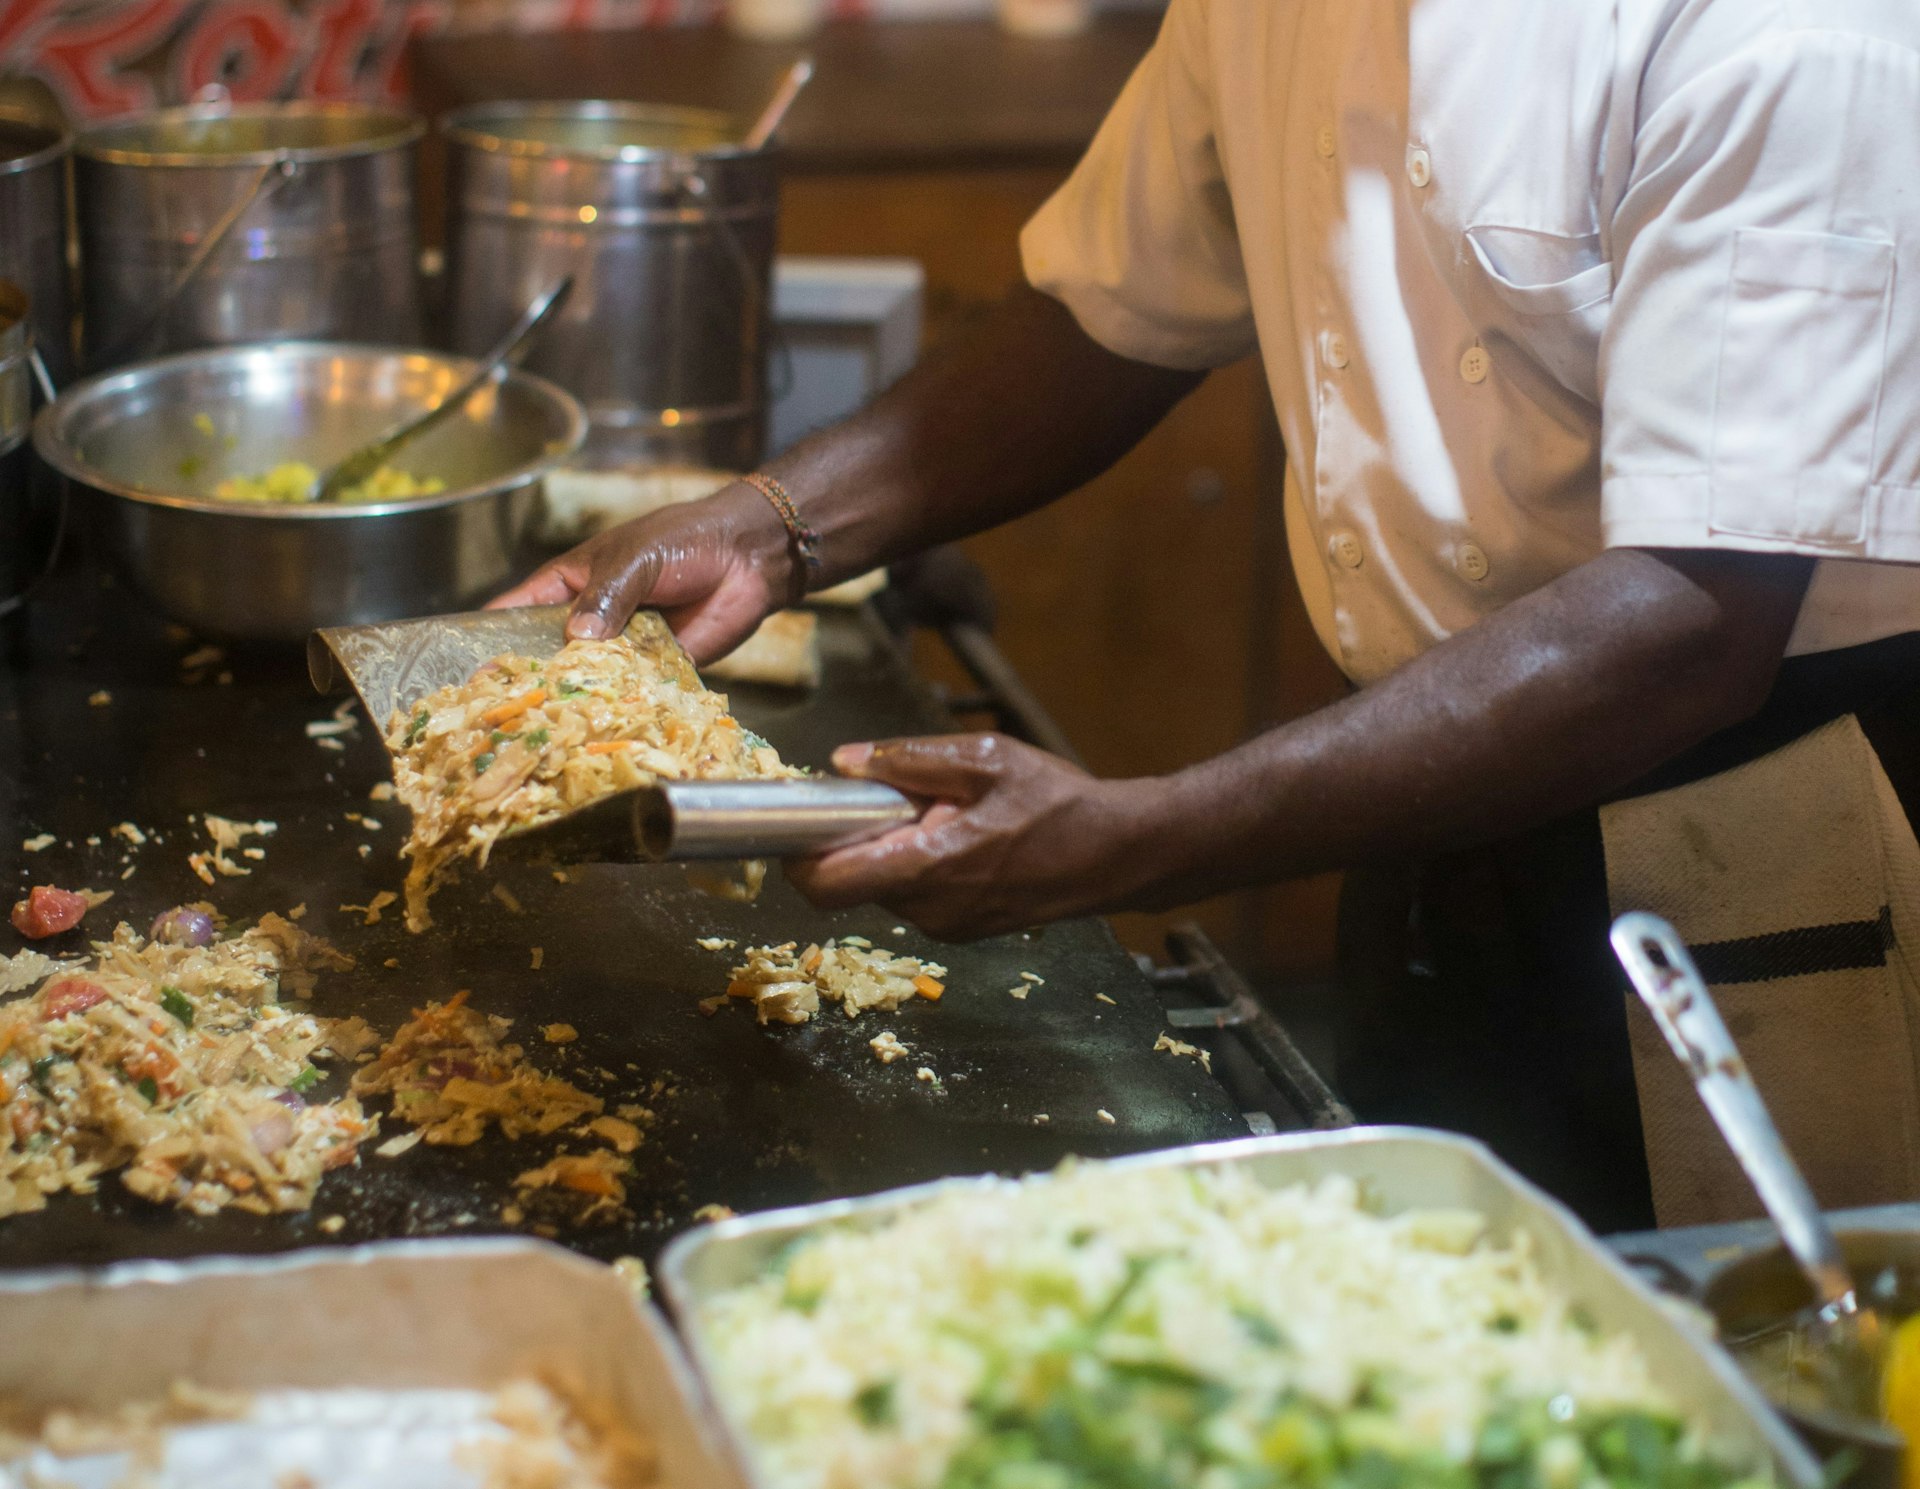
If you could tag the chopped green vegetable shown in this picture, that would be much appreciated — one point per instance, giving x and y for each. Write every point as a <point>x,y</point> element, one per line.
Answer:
<point>149,1088</point>
<point>483,763</point>
<point>42,1068</point>
<point>500,737</point>
<point>539,739</point>
<point>417,727</point>
<point>176,1003</point>
<point>306,1080</point>
<point>874,1404</point>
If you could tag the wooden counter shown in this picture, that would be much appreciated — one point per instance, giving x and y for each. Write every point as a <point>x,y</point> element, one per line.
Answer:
<point>926,95</point>
<point>1154,612</point>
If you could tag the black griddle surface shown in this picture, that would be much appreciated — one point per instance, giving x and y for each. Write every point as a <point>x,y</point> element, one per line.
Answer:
<point>749,1118</point>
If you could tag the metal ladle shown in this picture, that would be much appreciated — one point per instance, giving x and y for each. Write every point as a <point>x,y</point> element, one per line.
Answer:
<point>360,465</point>
<point>1849,1335</point>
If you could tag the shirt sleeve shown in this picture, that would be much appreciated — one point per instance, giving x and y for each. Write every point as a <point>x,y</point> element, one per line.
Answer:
<point>1767,281</point>
<point>1139,243</point>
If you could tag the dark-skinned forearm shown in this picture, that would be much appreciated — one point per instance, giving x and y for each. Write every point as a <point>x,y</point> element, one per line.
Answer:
<point>1018,412</point>
<point>1543,708</point>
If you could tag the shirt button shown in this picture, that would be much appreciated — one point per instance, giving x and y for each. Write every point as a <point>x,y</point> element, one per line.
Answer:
<point>1345,550</point>
<point>1476,364</point>
<point>1419,166</point>
<point>1337,350</point>
<point>1472,562</point>
<point>1323,141</point>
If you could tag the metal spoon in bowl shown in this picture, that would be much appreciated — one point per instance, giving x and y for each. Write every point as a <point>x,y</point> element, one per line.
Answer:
<point>360,465</point>
<point>1849,1335</point>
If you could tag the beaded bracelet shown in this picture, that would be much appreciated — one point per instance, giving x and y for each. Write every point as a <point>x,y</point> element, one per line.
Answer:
<point>802,540</point>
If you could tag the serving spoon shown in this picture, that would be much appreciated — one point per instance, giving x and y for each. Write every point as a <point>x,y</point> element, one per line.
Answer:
<point>360,464</point>
<point>1849,1336</point>
<point>791,82</point>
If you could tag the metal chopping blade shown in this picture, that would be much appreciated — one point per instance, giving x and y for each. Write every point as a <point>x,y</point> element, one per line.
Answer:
<point>394,665</point>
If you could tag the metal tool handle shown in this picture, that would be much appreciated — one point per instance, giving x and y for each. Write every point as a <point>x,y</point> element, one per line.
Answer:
<point>272,175</point>
<point>506,352</point>
<point>1663,973</point>
<point>774,114</point>
<point>766,819</point>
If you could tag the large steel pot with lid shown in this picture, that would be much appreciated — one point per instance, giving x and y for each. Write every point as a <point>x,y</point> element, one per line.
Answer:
<point>667,222</point>
<point>216,225</point>
<point>33,230</point>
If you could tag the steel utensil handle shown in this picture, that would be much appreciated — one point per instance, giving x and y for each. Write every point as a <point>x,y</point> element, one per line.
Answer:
<point>1669,983</point>
<point>766,819</point>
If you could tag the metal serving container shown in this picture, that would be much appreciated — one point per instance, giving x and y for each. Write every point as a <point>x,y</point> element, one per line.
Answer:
<point>395,1317</point>
<point>210,226</point>
<point>33,230</point>
<point>1400,1168</point>
<point>18,562</point>
<point>668,225</point>
<point>147,445</point>
<point>1766,1289</point>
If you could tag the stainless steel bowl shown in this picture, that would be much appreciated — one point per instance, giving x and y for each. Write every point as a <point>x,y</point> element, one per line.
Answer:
<point>145,446</point>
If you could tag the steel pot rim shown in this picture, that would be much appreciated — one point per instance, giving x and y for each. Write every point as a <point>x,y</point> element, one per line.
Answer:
<point>405,129</point>
<point>464,126</point>
<point>64,458</point>
<point>47,154</point>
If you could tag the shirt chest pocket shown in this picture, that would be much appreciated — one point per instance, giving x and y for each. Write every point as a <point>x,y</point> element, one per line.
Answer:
<point>1551,293</point>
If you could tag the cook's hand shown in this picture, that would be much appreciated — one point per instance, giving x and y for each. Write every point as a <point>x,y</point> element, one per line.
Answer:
<point>716,568</point>
<point>1014,837</point>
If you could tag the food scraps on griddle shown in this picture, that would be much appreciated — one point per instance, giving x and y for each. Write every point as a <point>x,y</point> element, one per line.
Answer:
<point>181,1065</point>
<point>786,984</point>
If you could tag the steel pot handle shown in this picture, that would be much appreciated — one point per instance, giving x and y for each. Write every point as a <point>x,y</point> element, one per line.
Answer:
<point>272,175</point>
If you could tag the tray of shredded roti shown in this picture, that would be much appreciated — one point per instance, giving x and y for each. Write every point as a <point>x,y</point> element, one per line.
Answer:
<point>526,740</point>
<point>431,1365</point>
<point>1375,1309</point>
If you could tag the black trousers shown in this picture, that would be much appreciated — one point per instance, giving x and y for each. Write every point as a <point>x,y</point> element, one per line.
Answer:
<point>1478,990</point>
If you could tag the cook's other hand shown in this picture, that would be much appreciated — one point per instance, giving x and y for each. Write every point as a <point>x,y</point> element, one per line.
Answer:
<point>1014,837</point>
<point>715,567</point>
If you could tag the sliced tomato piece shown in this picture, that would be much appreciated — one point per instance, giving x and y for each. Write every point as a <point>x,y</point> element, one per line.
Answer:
<point>47,911</point>
<point>65,995</point>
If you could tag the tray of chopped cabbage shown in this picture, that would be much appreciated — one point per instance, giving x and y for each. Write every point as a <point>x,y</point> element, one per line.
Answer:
<point>1379,1308</point>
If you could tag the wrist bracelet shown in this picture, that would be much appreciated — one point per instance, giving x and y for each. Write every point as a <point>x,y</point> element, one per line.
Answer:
<point>802,541</point>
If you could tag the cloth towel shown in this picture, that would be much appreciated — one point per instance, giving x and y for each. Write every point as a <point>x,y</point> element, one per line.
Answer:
<point>1795,879</point>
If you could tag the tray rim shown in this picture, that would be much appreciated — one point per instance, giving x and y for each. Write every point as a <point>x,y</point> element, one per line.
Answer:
<point>1793,1462</point>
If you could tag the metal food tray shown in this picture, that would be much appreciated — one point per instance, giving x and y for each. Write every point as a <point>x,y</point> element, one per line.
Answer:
<point>1399,1168</point>
<point>393,1317</point>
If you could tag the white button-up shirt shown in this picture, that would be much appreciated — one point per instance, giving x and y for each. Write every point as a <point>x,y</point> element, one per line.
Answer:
<point>1531,279</point>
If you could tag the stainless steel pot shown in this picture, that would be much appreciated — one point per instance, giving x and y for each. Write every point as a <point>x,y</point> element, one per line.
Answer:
<point>33,230</point>
<point>1753,1297</point>
<point>20,556</point>
<point>214,226</point>
<point>146,446</point>
<point>668,226</point>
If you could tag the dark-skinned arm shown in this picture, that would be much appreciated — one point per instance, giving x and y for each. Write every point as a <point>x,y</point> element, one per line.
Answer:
<point>1547,706</point>
<point>1020,411</point>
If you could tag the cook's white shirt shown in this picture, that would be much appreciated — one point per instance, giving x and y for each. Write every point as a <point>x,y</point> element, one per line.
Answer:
<point>1531,279</point>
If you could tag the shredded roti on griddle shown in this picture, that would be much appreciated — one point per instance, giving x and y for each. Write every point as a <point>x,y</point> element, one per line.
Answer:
<point>524,741</point>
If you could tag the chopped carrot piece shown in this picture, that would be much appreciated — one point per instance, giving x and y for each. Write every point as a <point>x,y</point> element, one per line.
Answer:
<point>7,1037</point>
<point>591,1181</point>
<point>513,707</point>
<point>240,1183</point>
<point>608,746</point>
<point>6,1091</point>
<point>929,988</point>
<point>447,1007</point>
<point>812,964</point>
<point>742,989</point>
